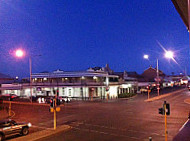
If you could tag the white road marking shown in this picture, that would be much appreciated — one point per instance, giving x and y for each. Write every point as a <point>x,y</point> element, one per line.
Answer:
<point>183,125</point>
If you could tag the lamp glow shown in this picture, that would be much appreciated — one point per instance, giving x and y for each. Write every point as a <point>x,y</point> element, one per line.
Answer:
<point>146,56</point>
<point>169,54</point>
<point>19,53</point>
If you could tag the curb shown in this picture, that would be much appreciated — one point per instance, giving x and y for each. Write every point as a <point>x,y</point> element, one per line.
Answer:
<point>27,103</point>
<point>163,96</point>
<point>42,134</point>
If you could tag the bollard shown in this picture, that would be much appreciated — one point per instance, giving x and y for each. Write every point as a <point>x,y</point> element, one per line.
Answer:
<point>150,138</point>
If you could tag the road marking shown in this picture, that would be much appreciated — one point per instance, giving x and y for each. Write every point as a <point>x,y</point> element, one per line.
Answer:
<point>13,114</point>
<point>183,125</point>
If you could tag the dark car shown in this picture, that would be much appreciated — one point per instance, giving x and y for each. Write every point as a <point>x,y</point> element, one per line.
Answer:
<point>9,127</point>
<point>8,96</point>
<point>64,99</point>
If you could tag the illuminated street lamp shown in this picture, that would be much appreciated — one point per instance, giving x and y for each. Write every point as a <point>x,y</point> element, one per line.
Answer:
<point>146,56</point>
<point>169,54</point>
<point>20,53</point>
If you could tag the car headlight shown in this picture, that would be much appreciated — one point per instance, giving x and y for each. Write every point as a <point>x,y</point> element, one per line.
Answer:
<point>29,124</point>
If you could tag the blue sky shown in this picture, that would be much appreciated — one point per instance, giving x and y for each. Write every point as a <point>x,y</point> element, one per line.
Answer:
<point>76,34</point>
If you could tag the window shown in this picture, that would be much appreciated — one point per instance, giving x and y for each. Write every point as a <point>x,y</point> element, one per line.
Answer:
<point>63,91</point>
<point>69,92</point>
<point>81,91</point>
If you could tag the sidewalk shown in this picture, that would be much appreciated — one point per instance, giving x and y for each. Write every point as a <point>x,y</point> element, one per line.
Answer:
<point>164,95</point>
<point>42,134</point>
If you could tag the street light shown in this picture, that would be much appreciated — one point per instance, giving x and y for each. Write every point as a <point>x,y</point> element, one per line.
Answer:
<point>20,53</point>
<point>157,72</point>
<point>169,54</point>
<point>146,56</point>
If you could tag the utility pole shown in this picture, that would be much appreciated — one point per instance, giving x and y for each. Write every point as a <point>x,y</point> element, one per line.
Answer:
<point>166,132</point>
<point>157,72</point>
<point>30,65</point>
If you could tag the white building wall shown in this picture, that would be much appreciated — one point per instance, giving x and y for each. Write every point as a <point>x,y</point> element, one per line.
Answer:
<point>77,92</point>
<point>113,91</point>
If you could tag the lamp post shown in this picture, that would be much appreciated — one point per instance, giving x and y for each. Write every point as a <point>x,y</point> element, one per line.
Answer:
<point>30,66</point>
<point>157,73</point>
<point>20,53</point>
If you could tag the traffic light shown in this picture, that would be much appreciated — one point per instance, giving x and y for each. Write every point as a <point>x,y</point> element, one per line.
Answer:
<point>52,103</point>
<point>107,88</point>
<point>11,98</point>
<point>58,102</point>
<point>161,111</point>
<point>167,109</point>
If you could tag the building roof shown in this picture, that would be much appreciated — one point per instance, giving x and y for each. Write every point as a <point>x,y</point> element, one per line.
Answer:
<point>63,74</point>
<point>182,8</point>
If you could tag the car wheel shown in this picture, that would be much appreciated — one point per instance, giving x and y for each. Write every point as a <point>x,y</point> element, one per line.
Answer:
<point>25,131</point>
<point>1,137</point>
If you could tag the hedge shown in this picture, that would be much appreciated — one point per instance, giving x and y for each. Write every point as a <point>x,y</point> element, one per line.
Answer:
<point>126,95</point>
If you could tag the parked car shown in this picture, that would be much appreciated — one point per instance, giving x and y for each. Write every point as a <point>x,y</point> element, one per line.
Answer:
<point>8,96</point>
<point>9,127</point>
<point>64,99</point>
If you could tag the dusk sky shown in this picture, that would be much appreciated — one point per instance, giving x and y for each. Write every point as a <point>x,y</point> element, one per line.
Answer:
<point>73,35</point>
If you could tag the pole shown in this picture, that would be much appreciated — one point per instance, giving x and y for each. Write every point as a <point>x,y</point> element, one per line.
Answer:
<point>148,93</point>
<point>55,114</point>
<point>189,20</point>
<point>30,66</point>
<point>157,72</point>
<point>166,133</point>
<point>9,108</point>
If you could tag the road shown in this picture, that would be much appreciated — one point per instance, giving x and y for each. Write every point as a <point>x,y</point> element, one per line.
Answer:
<point>123,119</point>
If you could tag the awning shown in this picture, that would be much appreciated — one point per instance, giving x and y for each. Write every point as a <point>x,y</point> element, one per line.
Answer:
<point>182,8</point>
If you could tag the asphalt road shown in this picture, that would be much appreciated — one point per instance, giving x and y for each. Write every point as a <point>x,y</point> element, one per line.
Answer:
<point>124,119</point>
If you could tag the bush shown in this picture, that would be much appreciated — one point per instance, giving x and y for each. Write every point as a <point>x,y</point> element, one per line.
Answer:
<point>126,95</point>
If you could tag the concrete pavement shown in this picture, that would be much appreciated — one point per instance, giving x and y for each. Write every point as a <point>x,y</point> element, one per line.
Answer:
<point>164,95</point>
